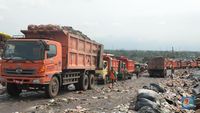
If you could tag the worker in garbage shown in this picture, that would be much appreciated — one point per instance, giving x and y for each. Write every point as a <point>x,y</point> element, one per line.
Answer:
<point>172,72</point>
<point>137,71</point>
<point>125,73</point>
<point>112,77</point>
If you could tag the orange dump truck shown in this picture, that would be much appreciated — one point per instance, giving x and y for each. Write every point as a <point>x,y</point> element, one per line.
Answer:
<point>184,64</point>
<point>112,62</point>
<point>130,64</point>
<point>126,68</point>
<point>103,75</point>
<point>49,57</point>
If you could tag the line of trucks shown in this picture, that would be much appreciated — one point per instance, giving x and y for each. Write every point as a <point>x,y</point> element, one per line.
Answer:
<point>49,57</point>
<point>158,66</point>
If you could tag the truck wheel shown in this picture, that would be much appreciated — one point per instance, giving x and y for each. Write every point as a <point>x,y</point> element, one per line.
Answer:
<point>91,82</point>
<point>13,90</point>
<point>84,82</point>
<point>164,74</point>
<point>53,88</point>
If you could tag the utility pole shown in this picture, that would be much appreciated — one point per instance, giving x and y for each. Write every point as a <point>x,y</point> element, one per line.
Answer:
<point>173,55</point>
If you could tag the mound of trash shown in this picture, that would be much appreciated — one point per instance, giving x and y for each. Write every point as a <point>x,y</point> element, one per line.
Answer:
<point>177,95</point>
<point>51,27</point>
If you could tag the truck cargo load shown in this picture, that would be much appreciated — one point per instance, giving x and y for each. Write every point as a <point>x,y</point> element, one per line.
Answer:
<point>157,67</point>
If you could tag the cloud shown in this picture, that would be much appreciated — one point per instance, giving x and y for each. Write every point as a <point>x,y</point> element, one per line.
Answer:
<point>3,5</point>
<point>1,18</point>
<point>128,24</point>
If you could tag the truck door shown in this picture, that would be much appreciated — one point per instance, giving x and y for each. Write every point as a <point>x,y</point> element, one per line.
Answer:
<point>53,62</point>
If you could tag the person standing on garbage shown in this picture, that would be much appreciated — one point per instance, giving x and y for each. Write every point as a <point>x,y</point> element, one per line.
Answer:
<point>172,72</point>
<point>137,71</point>
<point>125,73</point>
<point>112,76</point>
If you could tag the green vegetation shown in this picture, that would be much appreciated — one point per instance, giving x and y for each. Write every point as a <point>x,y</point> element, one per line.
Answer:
<point>143,56</point>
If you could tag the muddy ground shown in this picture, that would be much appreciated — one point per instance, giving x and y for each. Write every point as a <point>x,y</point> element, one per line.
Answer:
<point>101,99</point>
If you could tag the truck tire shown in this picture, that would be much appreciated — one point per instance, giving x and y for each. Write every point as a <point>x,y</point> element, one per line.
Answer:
<point>52,88</point>
<point>91,82</point>
<point>84,82</point>
<point>164,74</point>
<point>13,90</point>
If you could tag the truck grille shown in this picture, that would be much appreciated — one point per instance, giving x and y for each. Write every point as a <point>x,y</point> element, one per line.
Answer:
<point>21,72</point>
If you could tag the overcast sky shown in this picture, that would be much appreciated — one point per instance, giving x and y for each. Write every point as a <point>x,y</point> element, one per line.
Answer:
<point>118,24</point>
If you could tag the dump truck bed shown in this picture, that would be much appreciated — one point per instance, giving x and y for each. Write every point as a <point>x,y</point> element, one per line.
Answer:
<point>130,64</point>
<point>78,51</point>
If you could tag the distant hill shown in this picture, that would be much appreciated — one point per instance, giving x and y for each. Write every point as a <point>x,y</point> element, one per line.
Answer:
<point>143,56</point>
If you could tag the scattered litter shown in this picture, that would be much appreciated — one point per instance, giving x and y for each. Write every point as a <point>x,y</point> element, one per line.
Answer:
<point>168,96</point>
<point>78,109</point>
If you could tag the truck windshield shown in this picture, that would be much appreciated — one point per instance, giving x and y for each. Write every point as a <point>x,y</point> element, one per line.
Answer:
<point>23,50</point>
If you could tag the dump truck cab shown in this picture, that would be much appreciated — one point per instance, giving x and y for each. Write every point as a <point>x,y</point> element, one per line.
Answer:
<point>31,62</point>
<point>103,73</point>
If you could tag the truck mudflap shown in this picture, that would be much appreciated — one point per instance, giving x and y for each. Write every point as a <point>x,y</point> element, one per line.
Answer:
<point>27,80</point>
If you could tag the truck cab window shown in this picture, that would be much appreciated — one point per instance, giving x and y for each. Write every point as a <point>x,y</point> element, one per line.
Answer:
<point>52,51</point>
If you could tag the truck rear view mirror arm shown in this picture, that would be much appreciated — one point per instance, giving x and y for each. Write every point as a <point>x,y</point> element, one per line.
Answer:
<point>46,46</point>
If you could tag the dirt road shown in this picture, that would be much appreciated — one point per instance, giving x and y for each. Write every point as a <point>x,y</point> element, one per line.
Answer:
<point>101,99</point>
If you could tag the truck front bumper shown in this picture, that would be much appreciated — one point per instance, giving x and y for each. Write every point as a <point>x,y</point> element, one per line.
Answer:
<point>26,80</point>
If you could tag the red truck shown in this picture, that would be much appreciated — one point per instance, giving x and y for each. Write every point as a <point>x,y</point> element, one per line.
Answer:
<point>126,68</point>
<point>192,63</point>
<point>157,67</point>
<point>130,64</point>
<point>112,62</point>
<point>178,64</point>
<point>184,64</point>
<point>48,58</point>
<point>109,62</point>
<point>123,67</point>
<point>3,38</point>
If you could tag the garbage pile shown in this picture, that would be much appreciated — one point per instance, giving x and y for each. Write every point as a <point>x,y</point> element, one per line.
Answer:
<point>168,97</point>
<point>51,27</point>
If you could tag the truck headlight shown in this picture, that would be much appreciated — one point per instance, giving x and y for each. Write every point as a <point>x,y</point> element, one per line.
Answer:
<point>42,69</point>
